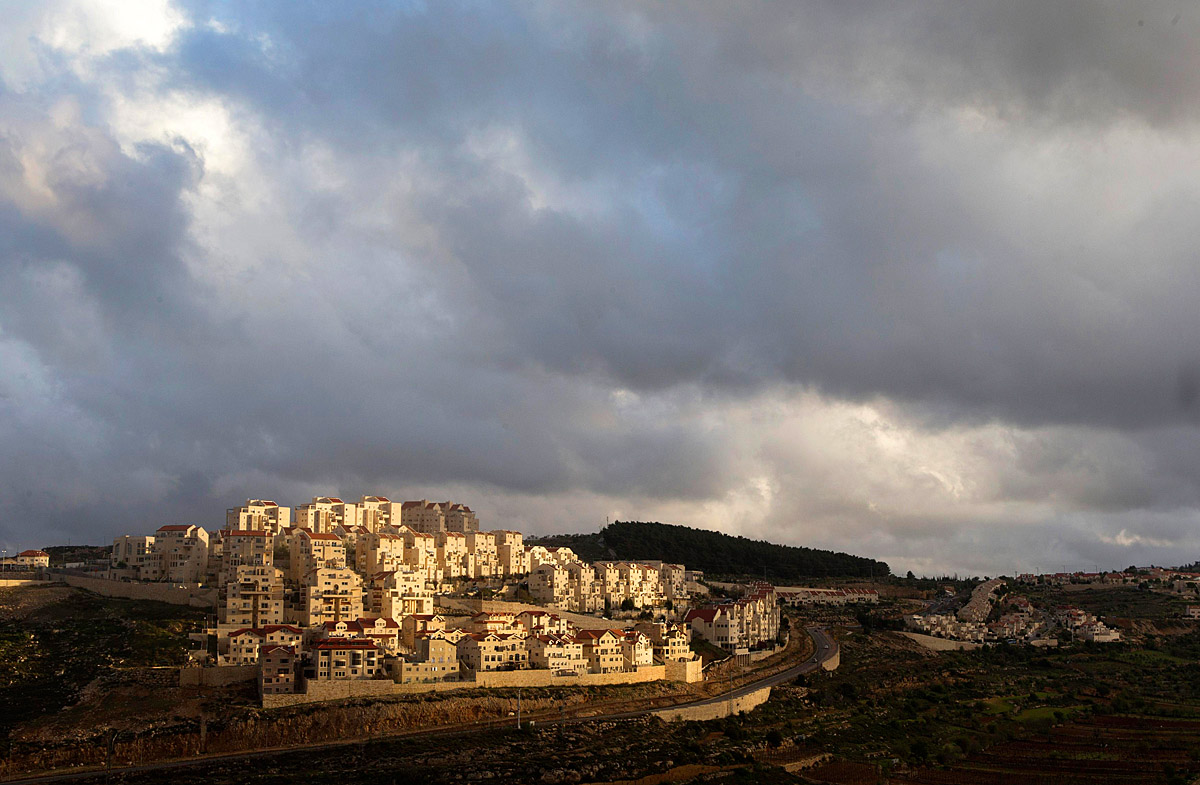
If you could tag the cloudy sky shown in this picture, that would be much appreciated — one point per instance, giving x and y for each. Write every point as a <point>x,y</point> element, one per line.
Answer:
<point>915,281</point>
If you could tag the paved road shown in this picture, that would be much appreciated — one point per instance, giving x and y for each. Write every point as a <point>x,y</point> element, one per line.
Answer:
<point>825,648</point>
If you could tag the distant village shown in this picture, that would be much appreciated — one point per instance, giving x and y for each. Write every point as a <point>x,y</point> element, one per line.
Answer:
<point>338,595</point>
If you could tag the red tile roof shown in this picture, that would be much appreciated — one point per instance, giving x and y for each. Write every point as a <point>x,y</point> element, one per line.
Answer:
<point>318,535</point>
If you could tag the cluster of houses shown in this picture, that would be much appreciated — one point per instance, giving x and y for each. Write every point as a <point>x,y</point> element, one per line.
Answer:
<point>425,648</point>
<point>739,626</point>
<point>561,581</point>
<point>25,560</point>
<point>1021,622</point>
<point>1169,578</point>
<point>943,625</point>
<point>797,596</point>
<point>1084,626</point>
<point>340,590</point>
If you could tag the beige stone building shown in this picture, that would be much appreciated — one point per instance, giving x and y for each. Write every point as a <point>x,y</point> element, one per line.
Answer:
<point>492,651</point>
<point>32,559</point>
<point>482,547</point>
<point>258,515</point>
<point>669,641</point>
<point>384,632</point>
<point>434,659</point>
<point>324,513</point>
<point>420,552</point>
<point>557,653</point>
<point>248,547</point>
<point>452,555</point>
<point>180,553</point>
<point>279,666</point>
<point>542,623</point>
<point>312,550</point>
<point>253,596</point>
<point>418,624</point>
<point>423,516</point>
<point>636,651</point>
<point>131,555</point>
<point>510,552</point>
<point>246,644</point>
<point>382,552</point>
<point>459,518</point>
<point>433,517</point>
<point>375,513</point>
<point>345,658</point>
<point>603,650</point>
<point>330,594</point>
<point>749,622</point>
<point>399,593</point>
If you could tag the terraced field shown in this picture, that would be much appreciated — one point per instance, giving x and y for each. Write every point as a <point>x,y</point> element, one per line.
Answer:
<point>1126,750</point>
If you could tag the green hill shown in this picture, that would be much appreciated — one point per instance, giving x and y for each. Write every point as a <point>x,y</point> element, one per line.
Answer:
<point>713,552</point>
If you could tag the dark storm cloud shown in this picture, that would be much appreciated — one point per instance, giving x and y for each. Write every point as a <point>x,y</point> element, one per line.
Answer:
<point>554,250</point>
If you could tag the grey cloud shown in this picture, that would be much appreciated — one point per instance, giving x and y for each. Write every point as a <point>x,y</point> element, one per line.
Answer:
<point>531,206</point>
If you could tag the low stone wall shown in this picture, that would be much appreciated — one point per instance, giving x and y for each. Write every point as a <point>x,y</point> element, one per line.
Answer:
<point>217,677</point>
<point>717,709</point>
<point>174,593</point>
<point>316,691</point>
<point>545,678</point>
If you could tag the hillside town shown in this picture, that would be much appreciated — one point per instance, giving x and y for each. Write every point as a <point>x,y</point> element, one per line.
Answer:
<point>985,618</point>
<point>338,591</point>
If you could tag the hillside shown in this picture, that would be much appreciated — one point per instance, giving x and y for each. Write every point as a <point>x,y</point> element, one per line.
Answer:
<point>713,552</point>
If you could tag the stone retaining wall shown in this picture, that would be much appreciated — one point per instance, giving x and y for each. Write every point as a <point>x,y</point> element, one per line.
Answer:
<point>174,593</point>
<point>716,709</point>
<point>217,677</point>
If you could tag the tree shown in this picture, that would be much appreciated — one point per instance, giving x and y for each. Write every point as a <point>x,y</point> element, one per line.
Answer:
<point>627,604</point>
<point>774,737</point>
<point>909,575</point>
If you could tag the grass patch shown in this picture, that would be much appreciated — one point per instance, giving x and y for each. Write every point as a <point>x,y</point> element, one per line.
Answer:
<point>998,705</point>
<point>1047,713</point>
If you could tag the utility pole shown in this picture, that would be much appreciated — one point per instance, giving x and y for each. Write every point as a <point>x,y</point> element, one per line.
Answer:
<point>518,708</point>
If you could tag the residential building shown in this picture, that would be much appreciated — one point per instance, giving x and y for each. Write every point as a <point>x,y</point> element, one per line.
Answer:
<point>636,650</point>
<point>246,644</point>
<point>434,659</point>
<point>557,653</point>
<point>245,547</point>
<point>418,624</point>
<point>253,596</point>
<point>258,515</point>
<point>345,658</point>
<point>603,650</point>
<point>324,513</point>
<point>492,651</point>
<point>278,675</point>
<point>312,550</point>
<point>330,594</point>
<point>133,554</point>
<point>399,593</point>
<point>181,553</point>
